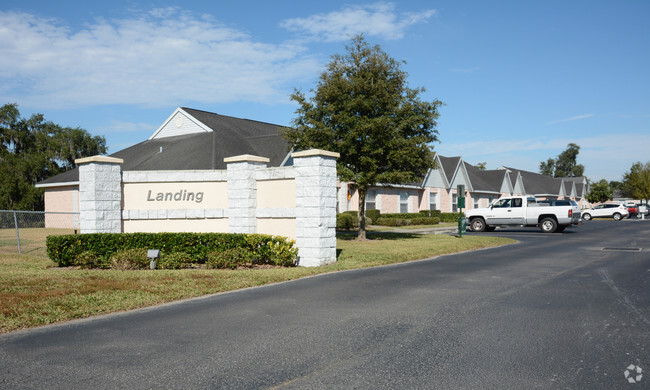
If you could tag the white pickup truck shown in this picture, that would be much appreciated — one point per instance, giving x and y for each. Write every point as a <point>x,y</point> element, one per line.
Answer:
<point>549,216</point>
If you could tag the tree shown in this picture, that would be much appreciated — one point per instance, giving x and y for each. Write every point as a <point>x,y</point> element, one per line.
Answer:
<point>600,192</point>
<point>481,166</point>
<point>363,109</point>
<point>636,182</point>
<point>565,165</point>
<point>31,150</point>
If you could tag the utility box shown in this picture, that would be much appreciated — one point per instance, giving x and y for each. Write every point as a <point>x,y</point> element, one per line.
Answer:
<point>462,225</point>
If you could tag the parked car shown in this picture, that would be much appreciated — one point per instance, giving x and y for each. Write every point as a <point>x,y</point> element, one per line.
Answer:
<point>638,210</point>
<point>606,210</point>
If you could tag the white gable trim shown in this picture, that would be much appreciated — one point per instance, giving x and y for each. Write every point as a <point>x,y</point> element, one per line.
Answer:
<point>180,123</point>
<point>461,177</point>
<point>441,171</point>
<point>506,184</point>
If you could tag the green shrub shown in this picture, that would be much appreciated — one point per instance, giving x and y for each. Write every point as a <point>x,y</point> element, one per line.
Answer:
<point>449,217</point>
<point>229,259</point>
<point>128,259</point>
<point>402,215</point>
<point>346,221</point>
<point>89,259</point>
<point>425,221</point>
<point>431,213</point>
<point>373,214</point>
<point>383,221</point>
<point>174,260</point>
<point>64,249</point>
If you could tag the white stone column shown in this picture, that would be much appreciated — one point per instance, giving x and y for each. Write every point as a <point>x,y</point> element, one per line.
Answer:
<point>100,194</point>
<point>242,192</point>
<point>315,207</point>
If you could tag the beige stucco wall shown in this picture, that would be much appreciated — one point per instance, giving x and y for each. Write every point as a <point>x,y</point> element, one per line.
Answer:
<point>276,194</point>
<point>142,196</point>
<point>389,200</point>
<point>61,199</point>
<point>277,227</point>
<point>176,225</point>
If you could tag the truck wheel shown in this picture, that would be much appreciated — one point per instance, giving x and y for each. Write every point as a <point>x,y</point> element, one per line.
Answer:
<point>478,225</point>
<point>617,217</point>
<point>586,217</point>
<point>548,225</point>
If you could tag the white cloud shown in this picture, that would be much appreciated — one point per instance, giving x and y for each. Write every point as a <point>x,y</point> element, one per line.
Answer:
<point>154,59</point>
<point>573,118</point>
<point>378,19</point>
<point>126,127</point>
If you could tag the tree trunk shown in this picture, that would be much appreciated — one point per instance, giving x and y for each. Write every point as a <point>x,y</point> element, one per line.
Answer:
<point>362,214</point>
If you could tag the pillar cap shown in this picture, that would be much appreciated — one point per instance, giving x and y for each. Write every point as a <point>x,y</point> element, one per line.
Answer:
<point>99,159</point>
<point>246,158</point>
<point>315,152</point>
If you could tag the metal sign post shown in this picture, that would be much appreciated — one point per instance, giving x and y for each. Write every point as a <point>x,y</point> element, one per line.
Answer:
<point>462,223</point>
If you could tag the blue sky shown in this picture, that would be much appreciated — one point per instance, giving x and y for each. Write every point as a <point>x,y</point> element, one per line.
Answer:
<point>520,79</point>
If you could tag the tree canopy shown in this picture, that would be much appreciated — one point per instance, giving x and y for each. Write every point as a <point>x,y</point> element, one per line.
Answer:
<point>600,192</point>
<point>31,150</point>
<point>363,109</point>
<point>636,182</point>
<point>565,165</point>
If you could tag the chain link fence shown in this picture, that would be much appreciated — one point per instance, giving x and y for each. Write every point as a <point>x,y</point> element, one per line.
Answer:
<point>25,232</point>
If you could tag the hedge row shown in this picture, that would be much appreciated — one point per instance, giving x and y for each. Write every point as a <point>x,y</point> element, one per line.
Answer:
<point>101,248</point>
<point>382,221</point>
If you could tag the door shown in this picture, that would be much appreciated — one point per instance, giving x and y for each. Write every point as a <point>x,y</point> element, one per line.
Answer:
<point>507,212</point>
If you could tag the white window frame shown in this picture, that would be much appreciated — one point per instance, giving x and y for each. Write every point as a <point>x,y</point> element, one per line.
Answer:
<point>433,200</point>
<point>404,202</point>
<point>374,199</point>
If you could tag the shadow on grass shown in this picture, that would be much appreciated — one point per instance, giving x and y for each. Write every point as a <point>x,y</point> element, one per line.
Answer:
<point>352,235</point>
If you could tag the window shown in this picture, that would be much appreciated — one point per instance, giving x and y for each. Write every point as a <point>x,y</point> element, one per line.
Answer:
<point>516,202</point>
<point>403,202</point>
<point>371,202</point>
<point>454,203</point>
<point>502,203</point>
<point>433,201</point>
<point>476,202</point>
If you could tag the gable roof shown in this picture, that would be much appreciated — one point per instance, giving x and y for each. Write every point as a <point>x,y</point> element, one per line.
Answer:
<point>538,184</point>
<point>486,180</point>
<point>227,137</point>
<point>449,165</point>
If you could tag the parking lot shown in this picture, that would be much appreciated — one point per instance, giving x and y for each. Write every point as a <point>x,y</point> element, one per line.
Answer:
<point>561,310</point>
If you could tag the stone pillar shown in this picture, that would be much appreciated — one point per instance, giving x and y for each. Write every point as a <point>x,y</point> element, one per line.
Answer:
<point>100,194</point>
<point>242,192</point>
<point>315,207</point>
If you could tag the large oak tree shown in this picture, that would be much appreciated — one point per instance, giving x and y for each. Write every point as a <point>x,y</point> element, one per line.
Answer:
<point>636,182</point>
<point>565,165</point>
<point>33,149</point>
<point>363,109</point>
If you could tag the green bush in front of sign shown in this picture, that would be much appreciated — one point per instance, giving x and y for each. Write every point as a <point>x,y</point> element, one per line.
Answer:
<point>97,248</point>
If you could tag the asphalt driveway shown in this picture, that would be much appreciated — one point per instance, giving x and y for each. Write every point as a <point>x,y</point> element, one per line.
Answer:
<point>553,311</point>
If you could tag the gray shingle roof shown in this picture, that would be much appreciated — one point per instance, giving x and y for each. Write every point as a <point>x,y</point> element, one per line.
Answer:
<point>449,165</point>
<point>232,137</point>
<point>538,184</point>
<point>485,180</point>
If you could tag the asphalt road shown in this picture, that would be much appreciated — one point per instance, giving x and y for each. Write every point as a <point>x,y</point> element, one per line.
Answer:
<point>553,311</point>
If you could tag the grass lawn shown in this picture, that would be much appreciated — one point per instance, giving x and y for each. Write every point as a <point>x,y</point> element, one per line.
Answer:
<point>34,291</point>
